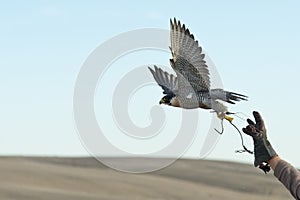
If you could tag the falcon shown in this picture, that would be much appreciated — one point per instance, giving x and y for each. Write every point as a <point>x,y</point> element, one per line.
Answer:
<point>190,88</point>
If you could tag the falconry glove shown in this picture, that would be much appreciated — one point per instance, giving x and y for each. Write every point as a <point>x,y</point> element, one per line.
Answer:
<point>263,150</point>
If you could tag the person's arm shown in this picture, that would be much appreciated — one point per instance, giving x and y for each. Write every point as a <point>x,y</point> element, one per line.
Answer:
<point>288,175</point>
<point>273,162</point>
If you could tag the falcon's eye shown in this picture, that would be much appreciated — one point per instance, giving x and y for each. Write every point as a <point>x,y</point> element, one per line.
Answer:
<point>164,100</point>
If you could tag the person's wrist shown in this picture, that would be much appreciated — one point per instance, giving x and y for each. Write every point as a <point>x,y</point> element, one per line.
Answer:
<point>274,161</point>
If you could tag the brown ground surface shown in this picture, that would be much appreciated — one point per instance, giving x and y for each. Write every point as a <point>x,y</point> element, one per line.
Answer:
<point>25,178</point>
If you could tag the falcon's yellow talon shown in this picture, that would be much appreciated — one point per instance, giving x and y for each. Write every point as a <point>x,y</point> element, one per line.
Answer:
<point>230,119</point>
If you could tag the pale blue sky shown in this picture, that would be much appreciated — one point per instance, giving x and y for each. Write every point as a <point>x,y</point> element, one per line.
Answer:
<point>254,45</point>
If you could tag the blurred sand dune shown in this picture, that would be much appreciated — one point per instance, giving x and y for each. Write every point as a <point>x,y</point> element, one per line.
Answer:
<point>27,178</point>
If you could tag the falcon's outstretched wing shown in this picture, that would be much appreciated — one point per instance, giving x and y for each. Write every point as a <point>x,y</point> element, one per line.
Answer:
<point>167,81</point>
<point>188,59</point>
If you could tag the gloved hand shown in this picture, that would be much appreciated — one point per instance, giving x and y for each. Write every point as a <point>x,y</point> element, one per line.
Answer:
<point>263,150</point>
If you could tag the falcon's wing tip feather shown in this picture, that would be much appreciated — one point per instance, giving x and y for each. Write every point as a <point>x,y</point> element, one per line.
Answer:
<point>155,70</point>
<point>171,24</point>
<point>151,70</point>
<point>181,27</point>
<point>175,22</point>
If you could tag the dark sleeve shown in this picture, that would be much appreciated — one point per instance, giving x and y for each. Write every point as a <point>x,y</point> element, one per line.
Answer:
<point>289,176</point>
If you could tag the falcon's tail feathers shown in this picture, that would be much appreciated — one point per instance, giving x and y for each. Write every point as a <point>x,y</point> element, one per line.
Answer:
<point>229,97</point>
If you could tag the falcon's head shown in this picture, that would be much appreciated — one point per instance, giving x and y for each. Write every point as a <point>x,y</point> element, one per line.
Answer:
<point>169,100</point>
<point>166,100</point>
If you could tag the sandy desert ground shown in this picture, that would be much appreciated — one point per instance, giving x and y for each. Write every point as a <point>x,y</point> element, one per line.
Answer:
<point>28,178</point>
